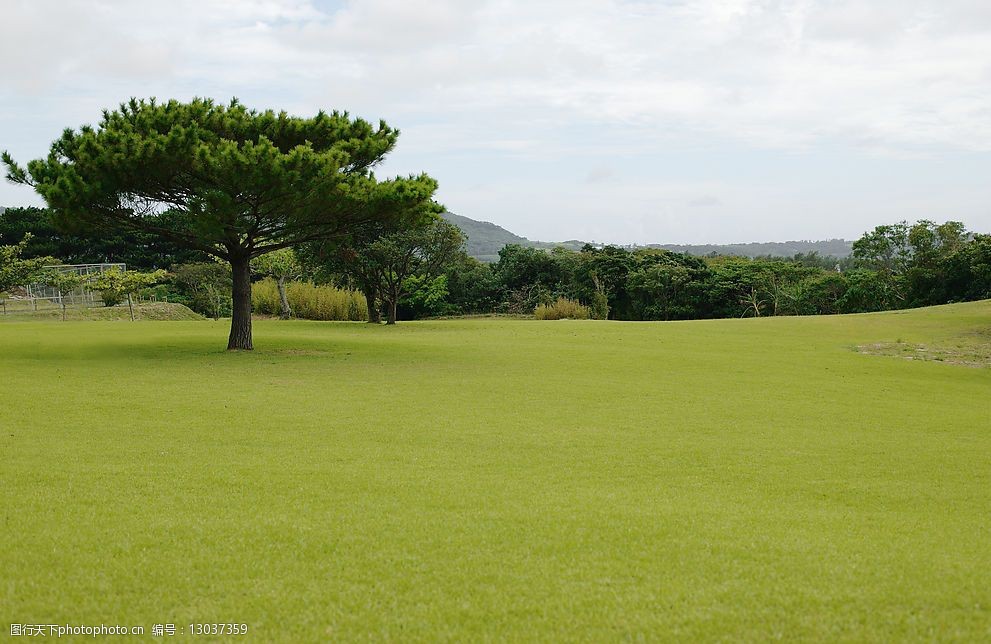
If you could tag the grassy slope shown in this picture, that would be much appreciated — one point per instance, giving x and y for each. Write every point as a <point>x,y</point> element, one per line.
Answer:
<point>145,311</point>
<point>500,479</point>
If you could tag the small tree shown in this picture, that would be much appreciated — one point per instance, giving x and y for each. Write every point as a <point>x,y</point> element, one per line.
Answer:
<point>887,252</point>
<point>369,253</point>
<point>64,283</point>
<point>205,287</point>
<point>281,265</point>
<point>15,271</point>
<point>421,252</point>
<point>345,258</point>
<point>656,291</point>
<point>752,303</point>
<point>599,308</point>
<point>116,285</point>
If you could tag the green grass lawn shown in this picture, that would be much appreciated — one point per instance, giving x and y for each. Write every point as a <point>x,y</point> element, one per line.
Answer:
<point>494,479</point>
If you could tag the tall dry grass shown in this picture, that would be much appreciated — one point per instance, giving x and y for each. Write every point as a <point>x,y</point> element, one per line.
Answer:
<point>309,301</point>
<point>562,309</point>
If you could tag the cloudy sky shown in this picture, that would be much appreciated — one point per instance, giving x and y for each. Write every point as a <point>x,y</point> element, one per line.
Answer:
<point>608,120</point>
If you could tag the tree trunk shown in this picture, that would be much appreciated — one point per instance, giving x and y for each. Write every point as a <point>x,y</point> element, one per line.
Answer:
<point>286,312</point>
<point>371,302</point>
<point>130,306</point>
<point>240,338</point>
<point>392,311</point>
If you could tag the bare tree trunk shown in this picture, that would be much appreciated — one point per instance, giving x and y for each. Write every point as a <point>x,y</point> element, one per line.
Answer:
<point>392,311</point>
<point>130,306</point>
<point>240,338</point>
<point>371,302</point>
<point>286,312</point>
<point>752,302</point>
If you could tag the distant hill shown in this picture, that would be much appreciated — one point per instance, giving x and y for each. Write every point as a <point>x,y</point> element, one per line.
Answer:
<point>486,239</point>
<point>833,247</point>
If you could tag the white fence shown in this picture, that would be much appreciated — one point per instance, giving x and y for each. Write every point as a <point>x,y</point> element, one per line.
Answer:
<point>34,297</point>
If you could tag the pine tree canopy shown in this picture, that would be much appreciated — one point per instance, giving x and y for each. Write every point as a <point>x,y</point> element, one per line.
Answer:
<point>243,182</point>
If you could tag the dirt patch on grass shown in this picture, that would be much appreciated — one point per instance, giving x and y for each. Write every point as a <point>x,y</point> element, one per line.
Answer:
<point>301,352</point>
<point>971,350</point>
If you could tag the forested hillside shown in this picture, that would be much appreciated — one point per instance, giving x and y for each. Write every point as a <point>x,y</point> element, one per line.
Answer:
<point>486,239</point>
<point>831,247</point>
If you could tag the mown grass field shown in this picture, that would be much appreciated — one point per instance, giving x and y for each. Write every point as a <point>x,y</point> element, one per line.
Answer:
<point>490,480</point>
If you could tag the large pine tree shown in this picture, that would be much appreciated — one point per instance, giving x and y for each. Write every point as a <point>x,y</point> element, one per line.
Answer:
<point>239,183</point>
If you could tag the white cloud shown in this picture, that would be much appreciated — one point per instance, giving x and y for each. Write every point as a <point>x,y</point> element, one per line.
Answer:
<point>785,73</point>
<point>586,82</point>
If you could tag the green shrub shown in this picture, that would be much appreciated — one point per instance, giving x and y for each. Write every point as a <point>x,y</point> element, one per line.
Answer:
<point>309,301</point>
<point>599,309</point>
<point>205,287</point>
<point>110,298</point>
<point>561,309</point>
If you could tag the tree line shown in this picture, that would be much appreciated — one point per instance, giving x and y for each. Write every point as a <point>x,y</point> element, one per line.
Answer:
<point>221,194</point>
<point>893,266</point>
<point>422,270</point>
